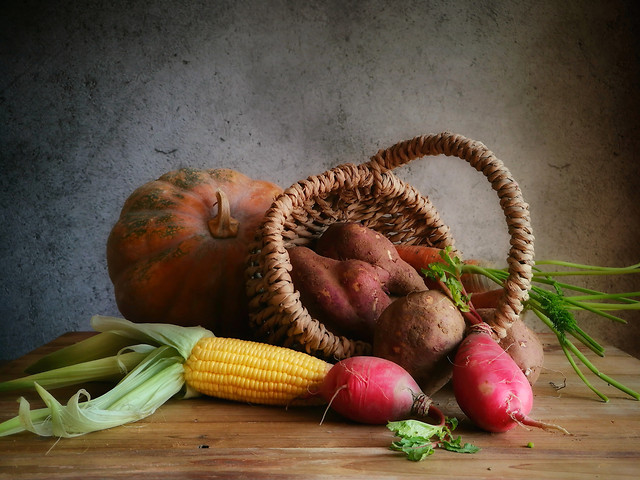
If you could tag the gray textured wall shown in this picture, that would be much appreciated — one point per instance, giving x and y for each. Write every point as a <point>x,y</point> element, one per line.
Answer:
<point>98,97</point>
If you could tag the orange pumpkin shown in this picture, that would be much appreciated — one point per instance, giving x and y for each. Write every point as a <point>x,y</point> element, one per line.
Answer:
<point>177,253</point>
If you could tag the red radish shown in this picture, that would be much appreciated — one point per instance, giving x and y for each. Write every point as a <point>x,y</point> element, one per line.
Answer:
<point>375,391</point>
<point>488,385</point>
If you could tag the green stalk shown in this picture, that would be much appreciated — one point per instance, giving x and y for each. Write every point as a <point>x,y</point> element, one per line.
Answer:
<point>568,347</point>
<point>597,307</point>
<point>602,376</point>
<point>535,306</point>
<point>592,307</point>
<point>587,340</point>
<point>593,268</point>
<point>493,274</point>
<point>609,296</point>
<point>564,342</point>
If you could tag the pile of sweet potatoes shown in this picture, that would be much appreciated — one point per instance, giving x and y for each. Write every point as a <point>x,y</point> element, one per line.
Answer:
<point>353,280</point>
<point>351,276</point>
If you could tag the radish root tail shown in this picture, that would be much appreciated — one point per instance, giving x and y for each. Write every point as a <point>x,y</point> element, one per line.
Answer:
<point>531,422</point>
<point>338,390</point>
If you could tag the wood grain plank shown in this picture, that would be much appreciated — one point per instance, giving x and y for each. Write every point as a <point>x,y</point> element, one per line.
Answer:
<point>211,438</point>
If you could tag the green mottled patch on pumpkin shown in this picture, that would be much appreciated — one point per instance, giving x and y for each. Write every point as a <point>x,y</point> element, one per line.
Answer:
<point>223,175</point>
<point>154,200</point>
<point>169,227</point>
<point>139,225</point>
<point>187,178</point>
<point>135,226</point>
<point>171,231</point>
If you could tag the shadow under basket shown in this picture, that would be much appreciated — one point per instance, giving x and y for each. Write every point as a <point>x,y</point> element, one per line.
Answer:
<point>371,194</point>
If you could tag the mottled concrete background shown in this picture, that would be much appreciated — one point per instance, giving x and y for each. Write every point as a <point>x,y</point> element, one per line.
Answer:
<point>99,97</point>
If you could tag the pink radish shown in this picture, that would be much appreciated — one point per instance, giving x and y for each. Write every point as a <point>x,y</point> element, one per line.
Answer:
<point>488,385</point>
<point>375,391</point>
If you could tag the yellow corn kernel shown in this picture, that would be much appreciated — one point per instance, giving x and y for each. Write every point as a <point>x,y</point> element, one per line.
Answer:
<point>253,372</point>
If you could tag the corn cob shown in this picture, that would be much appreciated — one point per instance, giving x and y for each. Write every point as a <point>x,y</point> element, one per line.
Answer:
<point>253,372</point>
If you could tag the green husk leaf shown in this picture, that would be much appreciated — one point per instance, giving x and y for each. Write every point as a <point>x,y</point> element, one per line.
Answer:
<point>182,339</point>
<point>149,385</point>
<point>98,346</point>
<point>103,369</point>
<point>155,353</point>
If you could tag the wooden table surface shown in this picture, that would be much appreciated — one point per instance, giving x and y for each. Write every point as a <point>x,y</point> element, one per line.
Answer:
<point>209,438</point>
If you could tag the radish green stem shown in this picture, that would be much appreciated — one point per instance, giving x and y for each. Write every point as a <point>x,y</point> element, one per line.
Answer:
<point>603,306</point>
<point>607,296</point>
<point>575,330</point>
<point>568,348</point>
<point>602,376</point>
<point>562,340</point>
<point>592,307</point>
<point>564,343</point>
<point>553,307</point>
<point>565,348</point>
<point>581,266</point>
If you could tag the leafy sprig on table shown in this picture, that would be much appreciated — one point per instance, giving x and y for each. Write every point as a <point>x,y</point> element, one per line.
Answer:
<point>418,439</point>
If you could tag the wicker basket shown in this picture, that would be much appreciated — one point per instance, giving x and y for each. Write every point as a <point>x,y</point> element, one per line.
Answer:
<point>371,194</point>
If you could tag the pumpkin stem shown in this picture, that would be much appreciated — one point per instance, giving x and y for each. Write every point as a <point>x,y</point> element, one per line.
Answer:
<point>223,225</point>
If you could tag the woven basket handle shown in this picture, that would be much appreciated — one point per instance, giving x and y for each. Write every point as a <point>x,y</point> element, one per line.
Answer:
<point>520,259</point>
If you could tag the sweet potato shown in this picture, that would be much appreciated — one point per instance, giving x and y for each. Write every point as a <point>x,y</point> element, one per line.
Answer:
<point>420,332</point>
<point>522,344</point>
<point>346,296</point>
<point>343,241</point>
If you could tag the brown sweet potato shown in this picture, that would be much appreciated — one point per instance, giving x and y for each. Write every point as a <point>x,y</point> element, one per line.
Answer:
<point>522,344</point>
<point>346,296</point>
<point>343,241</point>
<point>420,332</point>
<point>525,347</point>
